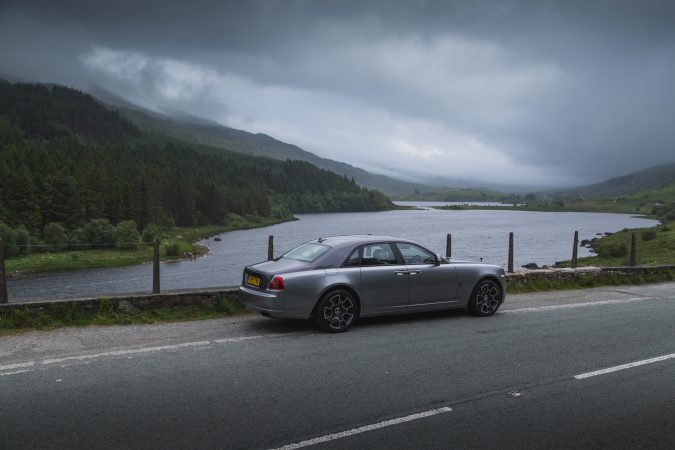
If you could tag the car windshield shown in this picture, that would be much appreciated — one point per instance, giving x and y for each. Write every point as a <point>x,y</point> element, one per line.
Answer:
<point>307,252</point>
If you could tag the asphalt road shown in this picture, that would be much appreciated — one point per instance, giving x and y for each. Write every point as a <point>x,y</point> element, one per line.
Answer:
<point>524,378</point>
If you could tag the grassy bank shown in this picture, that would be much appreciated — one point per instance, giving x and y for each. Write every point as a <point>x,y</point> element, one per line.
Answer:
<point>655,246</point>
<point>19,320</point>
<point>589,205</point>
<point>174,244</point>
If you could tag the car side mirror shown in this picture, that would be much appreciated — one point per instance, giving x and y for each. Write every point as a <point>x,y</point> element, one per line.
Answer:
<point>438,259</point>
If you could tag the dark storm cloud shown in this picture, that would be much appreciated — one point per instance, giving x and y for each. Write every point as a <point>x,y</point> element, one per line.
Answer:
<point>536,92</point>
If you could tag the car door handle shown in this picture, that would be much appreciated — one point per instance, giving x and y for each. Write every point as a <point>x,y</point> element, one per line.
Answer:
<point>401,273</point>
<point>414,272</point>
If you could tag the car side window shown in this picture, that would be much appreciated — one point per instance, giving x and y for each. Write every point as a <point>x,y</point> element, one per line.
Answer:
<point>378,255</point>
<point>412,254</point>
<point>353,260</point>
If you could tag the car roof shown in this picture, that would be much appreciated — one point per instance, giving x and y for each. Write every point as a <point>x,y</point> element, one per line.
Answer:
<point>356,239</point>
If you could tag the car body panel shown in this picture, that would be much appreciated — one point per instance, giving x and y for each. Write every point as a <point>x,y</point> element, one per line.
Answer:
<point>381,289</point>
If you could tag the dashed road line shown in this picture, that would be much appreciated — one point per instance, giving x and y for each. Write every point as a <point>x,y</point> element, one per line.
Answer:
<point>624,366</point>
<point>375,426</point>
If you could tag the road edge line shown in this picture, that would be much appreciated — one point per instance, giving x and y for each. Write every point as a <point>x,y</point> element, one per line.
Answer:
<point>363,429</point>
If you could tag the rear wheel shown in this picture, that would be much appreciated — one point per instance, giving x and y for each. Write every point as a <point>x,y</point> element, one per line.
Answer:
<point>485,298</point>
<point>336,311</point>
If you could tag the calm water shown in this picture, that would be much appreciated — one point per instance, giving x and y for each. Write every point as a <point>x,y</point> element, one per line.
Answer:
<point>541,237</point>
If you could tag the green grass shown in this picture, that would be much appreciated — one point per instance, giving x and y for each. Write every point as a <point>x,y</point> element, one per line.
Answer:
<point>581,281</point>
<point>19,320</point>
<point>657,251</point>
<point>184,238</point>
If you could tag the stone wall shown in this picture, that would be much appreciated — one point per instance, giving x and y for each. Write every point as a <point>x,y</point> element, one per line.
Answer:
<point>140,302</point>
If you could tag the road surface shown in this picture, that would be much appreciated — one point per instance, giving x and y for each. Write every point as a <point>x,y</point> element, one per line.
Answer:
<point>576,369</point>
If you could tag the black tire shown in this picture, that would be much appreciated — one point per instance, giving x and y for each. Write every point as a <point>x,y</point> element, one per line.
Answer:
<point>485,298</point>
<point>336,311</point>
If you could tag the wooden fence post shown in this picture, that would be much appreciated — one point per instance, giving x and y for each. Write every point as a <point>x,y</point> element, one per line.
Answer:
<point>633,249</point>
<point>574,250</point>
<point>155,267</point>
<point>448,246</point>
<point>510,268</point>
<point>3,279</point>
<point>270,248</point>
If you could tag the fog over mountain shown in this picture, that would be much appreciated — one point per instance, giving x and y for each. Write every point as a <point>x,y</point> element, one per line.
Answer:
<point>513,92</point>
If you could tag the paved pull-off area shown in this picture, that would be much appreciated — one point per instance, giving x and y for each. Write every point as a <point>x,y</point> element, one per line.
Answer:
<point>576,369</point>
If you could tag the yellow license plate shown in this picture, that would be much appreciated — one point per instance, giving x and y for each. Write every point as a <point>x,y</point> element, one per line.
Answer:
<point>253,281</point>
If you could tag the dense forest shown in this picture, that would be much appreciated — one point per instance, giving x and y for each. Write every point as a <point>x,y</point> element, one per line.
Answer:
<point>67,159</point>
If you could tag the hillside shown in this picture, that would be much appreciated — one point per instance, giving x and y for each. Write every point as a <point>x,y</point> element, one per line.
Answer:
<point>67,159</point>
<point>645,180</point>
<point>219,137</point>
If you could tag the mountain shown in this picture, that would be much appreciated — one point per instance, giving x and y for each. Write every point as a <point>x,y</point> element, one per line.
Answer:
<point>66,158</point>
<point>654,178</point>
<point>213,135</point>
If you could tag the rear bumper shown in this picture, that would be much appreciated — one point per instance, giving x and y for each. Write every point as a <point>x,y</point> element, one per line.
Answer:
<point>262,301</point>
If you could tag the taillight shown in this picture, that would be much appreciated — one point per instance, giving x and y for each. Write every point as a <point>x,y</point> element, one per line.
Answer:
<point>277,283</point>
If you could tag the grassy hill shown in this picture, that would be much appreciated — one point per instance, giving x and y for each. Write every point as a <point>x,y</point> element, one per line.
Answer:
<point>220,137</point>
<point>648,180</point>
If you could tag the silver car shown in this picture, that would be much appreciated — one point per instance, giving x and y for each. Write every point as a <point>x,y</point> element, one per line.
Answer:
<point>336,280</point>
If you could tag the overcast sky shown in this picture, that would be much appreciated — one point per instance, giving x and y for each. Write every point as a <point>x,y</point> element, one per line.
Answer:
<point>545,93</point>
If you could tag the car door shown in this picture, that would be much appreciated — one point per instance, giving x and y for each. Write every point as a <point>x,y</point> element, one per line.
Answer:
<point>384,279</point>
<point>430,283</point>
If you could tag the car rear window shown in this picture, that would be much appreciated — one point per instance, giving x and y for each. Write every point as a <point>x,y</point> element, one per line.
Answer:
<point>307,252</point>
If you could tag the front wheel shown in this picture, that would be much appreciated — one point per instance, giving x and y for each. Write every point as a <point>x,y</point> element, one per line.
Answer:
<point>485,298</point>
<point>336,311</point>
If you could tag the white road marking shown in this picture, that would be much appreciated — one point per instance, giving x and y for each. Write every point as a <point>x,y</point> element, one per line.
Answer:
<point>577,305</point>
<point>85,359</point>
<point>18,366</point>
<point>375,426</point>
<point>13,373</point>
<point>124,352</point>
<point>624,366</point>
<point>238,339</point>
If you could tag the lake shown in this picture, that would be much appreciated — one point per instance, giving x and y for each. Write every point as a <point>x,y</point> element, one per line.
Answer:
<point>541,237</point>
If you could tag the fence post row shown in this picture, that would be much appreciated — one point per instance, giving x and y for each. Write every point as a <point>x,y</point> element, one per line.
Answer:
<point>633,249</point>
<point>270,248</point>
<point>510,268</point>
<point>3,279</point>
<point>155,266</point>
<point>574,250</point>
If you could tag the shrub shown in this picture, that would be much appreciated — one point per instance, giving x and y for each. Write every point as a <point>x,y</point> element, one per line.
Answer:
<point>648,235</point>
<point>22,239</point>
<point>9,239</point>
<point>99,232</point>
<point>54,234</point>
<point>172,249</point>
<point>77,239</point>
<point>126,235</point>
<point>151,231</point>
<point>613,251</point>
